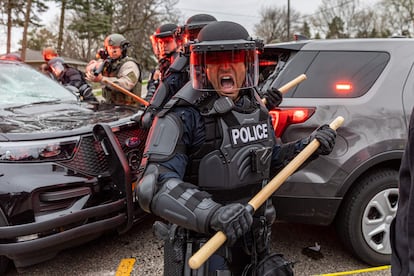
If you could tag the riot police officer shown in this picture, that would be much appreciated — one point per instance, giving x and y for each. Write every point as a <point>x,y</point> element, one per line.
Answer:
<point>166,46</point>
<point>118,68</point>
<point>210,150</point>
<point>177,74</point>
<point>70,76</point>
<point>48,53</point>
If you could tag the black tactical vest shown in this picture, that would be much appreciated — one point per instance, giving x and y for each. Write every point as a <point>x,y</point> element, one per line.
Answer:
<point>237,151</point>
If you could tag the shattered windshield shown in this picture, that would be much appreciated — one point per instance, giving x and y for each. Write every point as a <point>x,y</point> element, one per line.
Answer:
<point>21,84</point>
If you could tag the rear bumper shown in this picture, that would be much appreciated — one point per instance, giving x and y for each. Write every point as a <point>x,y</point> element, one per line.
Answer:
<point>24,253</point>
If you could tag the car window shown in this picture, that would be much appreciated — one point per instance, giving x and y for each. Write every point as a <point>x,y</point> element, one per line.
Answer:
<point>333,74</point>
<point>21,84</point>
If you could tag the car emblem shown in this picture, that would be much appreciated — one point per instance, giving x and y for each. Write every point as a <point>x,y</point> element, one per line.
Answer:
<point>132,142</point>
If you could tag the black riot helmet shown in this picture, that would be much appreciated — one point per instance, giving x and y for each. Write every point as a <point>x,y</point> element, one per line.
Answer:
<point>223,44</point>
<point>165,30</point>
<point>195,23</point>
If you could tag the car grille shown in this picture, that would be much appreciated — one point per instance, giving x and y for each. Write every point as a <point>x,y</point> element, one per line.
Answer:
<point>90,158</point>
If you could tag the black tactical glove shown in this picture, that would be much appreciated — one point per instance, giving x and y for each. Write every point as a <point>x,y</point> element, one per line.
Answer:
<point>326,137</point>
<point>273,98</point>
<point>234,220</point>
<point>144,118</point>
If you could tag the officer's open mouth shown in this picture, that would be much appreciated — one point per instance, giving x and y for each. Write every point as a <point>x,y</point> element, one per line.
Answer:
<point>227,82</point>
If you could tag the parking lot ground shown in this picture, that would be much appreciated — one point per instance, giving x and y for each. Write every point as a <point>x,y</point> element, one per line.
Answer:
<point>104,256</point>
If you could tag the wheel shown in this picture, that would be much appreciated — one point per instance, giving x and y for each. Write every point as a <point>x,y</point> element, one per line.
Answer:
<point>4,261</point>
<point>363,222</point>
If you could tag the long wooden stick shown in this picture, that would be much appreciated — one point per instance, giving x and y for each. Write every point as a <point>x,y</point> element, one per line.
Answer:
<point>219,238</point>
<point>126,92</point>
<point>286,87</point>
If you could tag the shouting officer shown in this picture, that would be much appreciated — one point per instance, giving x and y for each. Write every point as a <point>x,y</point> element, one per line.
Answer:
<point>118,68</point>
<point>210,150</point>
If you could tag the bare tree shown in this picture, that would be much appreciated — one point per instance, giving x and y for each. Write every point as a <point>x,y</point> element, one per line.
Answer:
<point>25,27</point>
<point>399,16</point>
<point>332,10</point>
<point>9,25</point>
<point>366,24</point>
<point>137,27</point>
<point>273,27</point>
<point>11,10</point>
<point>61,25</point>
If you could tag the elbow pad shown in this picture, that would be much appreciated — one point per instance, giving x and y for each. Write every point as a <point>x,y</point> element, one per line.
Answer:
<point>183,204</point>
<point>147,187</point>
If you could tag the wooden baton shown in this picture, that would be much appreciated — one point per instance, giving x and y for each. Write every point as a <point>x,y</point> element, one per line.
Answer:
<point>214,243</point>
<point>126,92</point>
<point>286,87</point>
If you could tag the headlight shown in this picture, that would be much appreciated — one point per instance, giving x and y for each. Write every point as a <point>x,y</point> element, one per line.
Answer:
<point>34,151</point>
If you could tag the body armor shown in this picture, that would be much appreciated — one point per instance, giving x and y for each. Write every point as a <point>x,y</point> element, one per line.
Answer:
<point>238,145</point>
<point>237,149</point>
<point>111,70</point>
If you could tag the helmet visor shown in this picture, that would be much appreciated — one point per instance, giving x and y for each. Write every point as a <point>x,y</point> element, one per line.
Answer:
<point>224,70</point>
<point>155,48</point>
<point>57,68</point>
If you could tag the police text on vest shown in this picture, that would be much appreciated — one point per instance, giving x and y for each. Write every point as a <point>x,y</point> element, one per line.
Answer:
<point>249,134</point>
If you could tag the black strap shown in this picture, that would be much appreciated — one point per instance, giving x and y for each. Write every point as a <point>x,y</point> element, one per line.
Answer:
<point>194,200</point>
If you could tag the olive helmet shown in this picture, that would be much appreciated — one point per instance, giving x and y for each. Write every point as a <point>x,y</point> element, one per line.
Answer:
<point>117,40</point>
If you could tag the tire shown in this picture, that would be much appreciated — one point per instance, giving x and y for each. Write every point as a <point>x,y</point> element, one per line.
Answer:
<point>363,222</point>
<point>4,261</point>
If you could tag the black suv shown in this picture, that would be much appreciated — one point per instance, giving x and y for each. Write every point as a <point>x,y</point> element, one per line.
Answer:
<point>58,186</point>
<point>370,82</point>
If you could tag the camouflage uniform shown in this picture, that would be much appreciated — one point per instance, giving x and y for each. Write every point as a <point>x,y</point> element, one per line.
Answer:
<point>126,73</point>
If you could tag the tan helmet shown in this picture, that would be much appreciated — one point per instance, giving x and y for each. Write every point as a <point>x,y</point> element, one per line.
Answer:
<point>116,40</point>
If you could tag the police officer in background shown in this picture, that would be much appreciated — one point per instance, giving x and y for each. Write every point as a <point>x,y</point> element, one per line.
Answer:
<point>69,76</point>
<point>177,74</point>
<point>48,53</point>
<point>211,149</point>
<point>118,68</point>
<point>166,46</point>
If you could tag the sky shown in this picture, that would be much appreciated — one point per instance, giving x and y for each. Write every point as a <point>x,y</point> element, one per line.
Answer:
<point>244,12</point>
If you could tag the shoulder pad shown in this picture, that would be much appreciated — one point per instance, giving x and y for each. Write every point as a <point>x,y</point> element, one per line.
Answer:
<point>160,95</point>
<point>163,138</point>
<point>186,96</point>
<point>190,95</point>
<point>180,64</point>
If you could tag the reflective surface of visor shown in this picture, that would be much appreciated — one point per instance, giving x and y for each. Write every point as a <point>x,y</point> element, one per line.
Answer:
<point>242,66</point>
<point>57,68</point>
<point>225,57</point>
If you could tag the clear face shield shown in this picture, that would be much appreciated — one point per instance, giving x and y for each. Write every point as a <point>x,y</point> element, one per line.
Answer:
<point>155,47</point>
<point>224,68</point>
<point>57,68</point>
<point>166,45</point>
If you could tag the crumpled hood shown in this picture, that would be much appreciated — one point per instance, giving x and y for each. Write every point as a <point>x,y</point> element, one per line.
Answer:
<point>51,117</point>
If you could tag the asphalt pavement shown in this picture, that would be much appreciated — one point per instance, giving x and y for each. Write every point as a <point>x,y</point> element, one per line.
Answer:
<point>103,256</point>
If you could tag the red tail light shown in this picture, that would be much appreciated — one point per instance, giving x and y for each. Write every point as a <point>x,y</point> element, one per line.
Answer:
<point>283,117</point>
<point>267,63</point>
<point>343,87</point>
